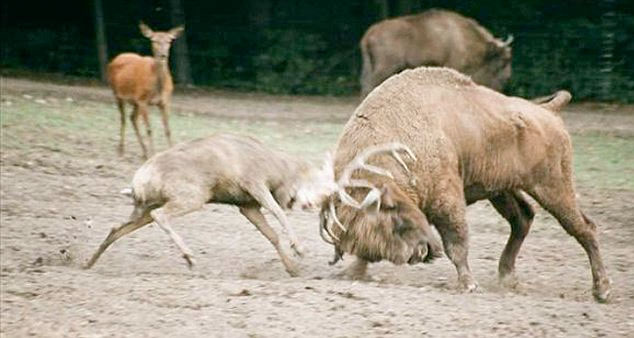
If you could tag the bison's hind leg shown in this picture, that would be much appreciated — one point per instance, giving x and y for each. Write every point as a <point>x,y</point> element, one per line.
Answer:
<point>557,197</point>
<point>519,213</point>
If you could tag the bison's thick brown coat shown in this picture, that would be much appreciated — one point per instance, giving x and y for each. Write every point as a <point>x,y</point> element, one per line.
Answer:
<point>433,38</point>
<point>472,143</point>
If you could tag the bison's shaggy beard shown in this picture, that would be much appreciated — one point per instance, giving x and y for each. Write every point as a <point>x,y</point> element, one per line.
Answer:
<point>374,236</point>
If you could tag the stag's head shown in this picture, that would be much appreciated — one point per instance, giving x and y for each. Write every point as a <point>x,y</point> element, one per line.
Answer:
<point>316,185</point>
<point>161,41</point>
<point>386,223</point>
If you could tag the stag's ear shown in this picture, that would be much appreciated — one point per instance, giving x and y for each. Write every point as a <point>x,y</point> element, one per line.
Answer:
<point>145,30</point>
<point>176,31</point>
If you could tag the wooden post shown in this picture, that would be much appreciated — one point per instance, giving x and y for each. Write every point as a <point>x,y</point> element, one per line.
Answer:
<point>182,69</point>
<point>100,38</point>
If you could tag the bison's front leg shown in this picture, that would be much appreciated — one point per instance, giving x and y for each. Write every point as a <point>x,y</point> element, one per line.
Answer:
<point>355,271</point>
<point>449,218</point>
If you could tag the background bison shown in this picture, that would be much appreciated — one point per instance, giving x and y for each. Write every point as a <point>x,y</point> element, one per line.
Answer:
<point>434,38</point>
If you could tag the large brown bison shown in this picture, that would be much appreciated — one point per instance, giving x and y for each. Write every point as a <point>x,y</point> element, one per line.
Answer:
<point>434,38</point>
<point>471,143</point>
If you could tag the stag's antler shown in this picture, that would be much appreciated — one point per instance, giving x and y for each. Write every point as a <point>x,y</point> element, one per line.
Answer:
<point>346,181</point>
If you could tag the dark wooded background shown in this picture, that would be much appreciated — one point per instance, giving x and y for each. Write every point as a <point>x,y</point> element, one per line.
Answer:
<point>311,47</point>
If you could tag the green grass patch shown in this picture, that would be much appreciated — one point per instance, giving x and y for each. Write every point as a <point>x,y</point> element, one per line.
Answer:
<point>602,161</point>
<point>57,124</point>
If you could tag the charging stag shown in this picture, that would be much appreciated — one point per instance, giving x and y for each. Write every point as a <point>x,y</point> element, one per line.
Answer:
<point>471,143</point>
<point>226,169</point>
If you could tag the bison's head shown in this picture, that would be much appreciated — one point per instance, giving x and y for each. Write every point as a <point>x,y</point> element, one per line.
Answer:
<point>495,70</point>
<point>387,224</point>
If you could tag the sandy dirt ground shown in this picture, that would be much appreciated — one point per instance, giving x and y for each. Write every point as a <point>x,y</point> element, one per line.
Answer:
<point>58,205</point>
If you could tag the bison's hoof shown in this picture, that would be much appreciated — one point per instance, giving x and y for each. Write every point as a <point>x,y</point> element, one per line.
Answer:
<point>509,281</point>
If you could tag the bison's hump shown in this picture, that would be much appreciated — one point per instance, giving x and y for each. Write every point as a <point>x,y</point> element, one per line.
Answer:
<point>437,76</point>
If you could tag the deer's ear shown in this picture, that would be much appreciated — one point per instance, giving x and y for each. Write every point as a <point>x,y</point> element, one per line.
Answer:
<point>145,30</point>
<point>176,31</point>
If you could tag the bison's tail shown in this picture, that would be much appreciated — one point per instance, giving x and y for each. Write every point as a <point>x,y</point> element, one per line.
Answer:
<point>366,68</point>
<point>555,102</point>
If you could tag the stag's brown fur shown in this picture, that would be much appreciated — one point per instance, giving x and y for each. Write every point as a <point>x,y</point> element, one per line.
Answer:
<point>472,143</point>
<point>433,38</point>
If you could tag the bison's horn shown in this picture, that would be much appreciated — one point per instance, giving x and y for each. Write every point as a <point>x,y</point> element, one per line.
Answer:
<point>508,40</point>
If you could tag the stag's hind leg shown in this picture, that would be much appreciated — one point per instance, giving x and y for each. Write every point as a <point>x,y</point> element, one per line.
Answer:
<point>140,217</point>
<point>519,213</point>
<point>557,197</point>
<point>163,216</point>
<point>254,215</point>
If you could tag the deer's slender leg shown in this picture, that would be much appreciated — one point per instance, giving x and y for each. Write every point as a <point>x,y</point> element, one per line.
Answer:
<point>134,117</point>
<point>143,111</point>
<point>121,105</point>
<point>166,124</point>
<point>254,215</point>
<point>163,215</point>
<point>264,197</point>
<point>138,219</point>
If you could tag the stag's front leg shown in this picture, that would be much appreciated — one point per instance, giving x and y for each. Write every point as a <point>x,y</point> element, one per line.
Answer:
<point>254,215</point>
<point>264,197</point>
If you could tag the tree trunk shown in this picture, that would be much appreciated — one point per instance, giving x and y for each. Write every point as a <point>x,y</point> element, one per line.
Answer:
<point>182,69</point>
<point>100,38</point>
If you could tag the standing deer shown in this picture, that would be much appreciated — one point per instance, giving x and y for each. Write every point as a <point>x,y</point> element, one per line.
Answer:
<point>143,81</point>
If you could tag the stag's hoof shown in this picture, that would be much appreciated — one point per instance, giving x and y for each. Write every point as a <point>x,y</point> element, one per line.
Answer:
<point>293,272</point>
<point>468,284</point>
<point>602,291</point>
<point>190,260</point>
<point>298,250</point>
